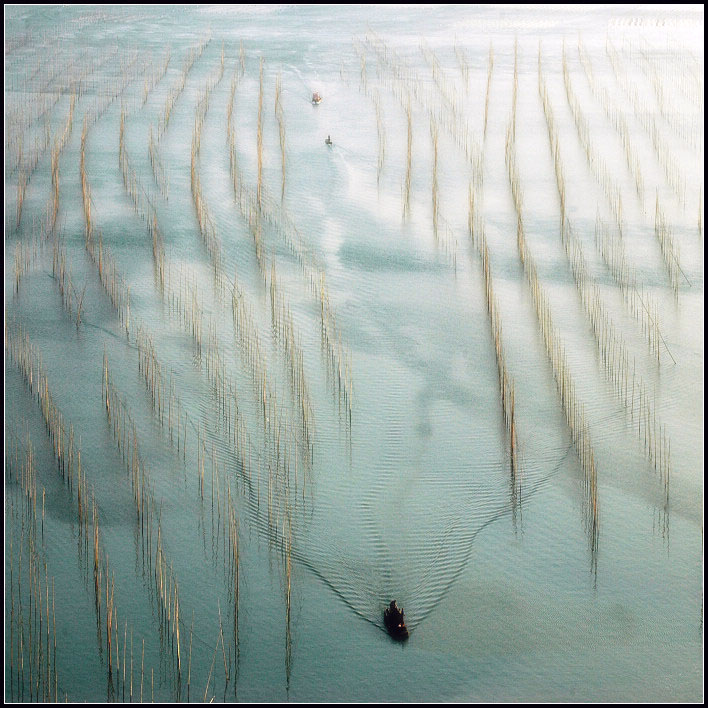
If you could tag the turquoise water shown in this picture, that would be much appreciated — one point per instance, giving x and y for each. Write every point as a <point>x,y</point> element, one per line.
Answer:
<point>380,465</point>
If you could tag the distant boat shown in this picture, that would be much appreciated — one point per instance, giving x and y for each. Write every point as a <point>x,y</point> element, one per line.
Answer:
<point>316,99</point>
<point>328,141</point>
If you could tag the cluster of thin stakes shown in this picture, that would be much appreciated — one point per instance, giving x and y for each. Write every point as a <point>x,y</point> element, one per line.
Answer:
<point>252,458</point>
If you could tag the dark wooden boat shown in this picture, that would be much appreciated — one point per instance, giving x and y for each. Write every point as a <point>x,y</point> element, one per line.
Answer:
<point>395,622</point>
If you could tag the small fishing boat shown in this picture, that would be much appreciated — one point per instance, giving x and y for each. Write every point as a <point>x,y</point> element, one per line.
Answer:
<point>395,622</point>
<point>329,141</point>
<point>316,99</point>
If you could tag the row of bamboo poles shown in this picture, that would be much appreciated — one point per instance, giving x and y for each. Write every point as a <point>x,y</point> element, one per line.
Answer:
<point>168,408</point>
<point>224,533</point>
<point>118,291</point>
<point>143,201</point>
<point>85,188</point>
<point>65,450</point>
<point>31,673</point>
<point>464,64</point>
<point>611,245</point>
<point>281,316</point>
<point>259,209</point>
<point>405,83</point>
<point>184,300</point>
<point>112,281</point>
<point>406,86</point>
<point>610,188</point>
<point>475,227</point>
<point>67,455</point>
<point>616,115</point>
<point>207,229</point>
<point>221,503</point>
<point>381,135</point>
<point>151,82</point>
<point>409,160</point>
<point>573,411</point>
<point>172,609</point>
<point>25,257</point>
<point>24,355</point>
<point>446,88</point>
<point>156,75</point>
<point>72,87</point>
<point>157,567</point>
<point>282,490</point>
<point>26,140</point>
<point>619,366</point>
<point>158,169</point>
<point>143,205</point>
<point>33,103</point>
<point>125,434</point>
<point>669,248</point>
<point>165,403</point>
<point>641,304</point>
<point>244,329</point>
<point>62,275</point>
<point>451,112</point>
<point>56,154</point>
<point>280,117</point>
<point>669,88</point>
<point>259,136</point>
<point>279,435</point>
<point>26,170</point>
<point>506,382</point>
<point>178,88</point>
<point>276,425</point>
<point>285,333</point>
<point>672,170</point>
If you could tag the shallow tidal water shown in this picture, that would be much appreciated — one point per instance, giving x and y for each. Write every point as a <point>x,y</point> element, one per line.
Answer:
<point>252,381</point>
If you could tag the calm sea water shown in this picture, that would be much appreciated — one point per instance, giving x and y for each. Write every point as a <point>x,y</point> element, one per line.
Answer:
<point>398,480</point>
